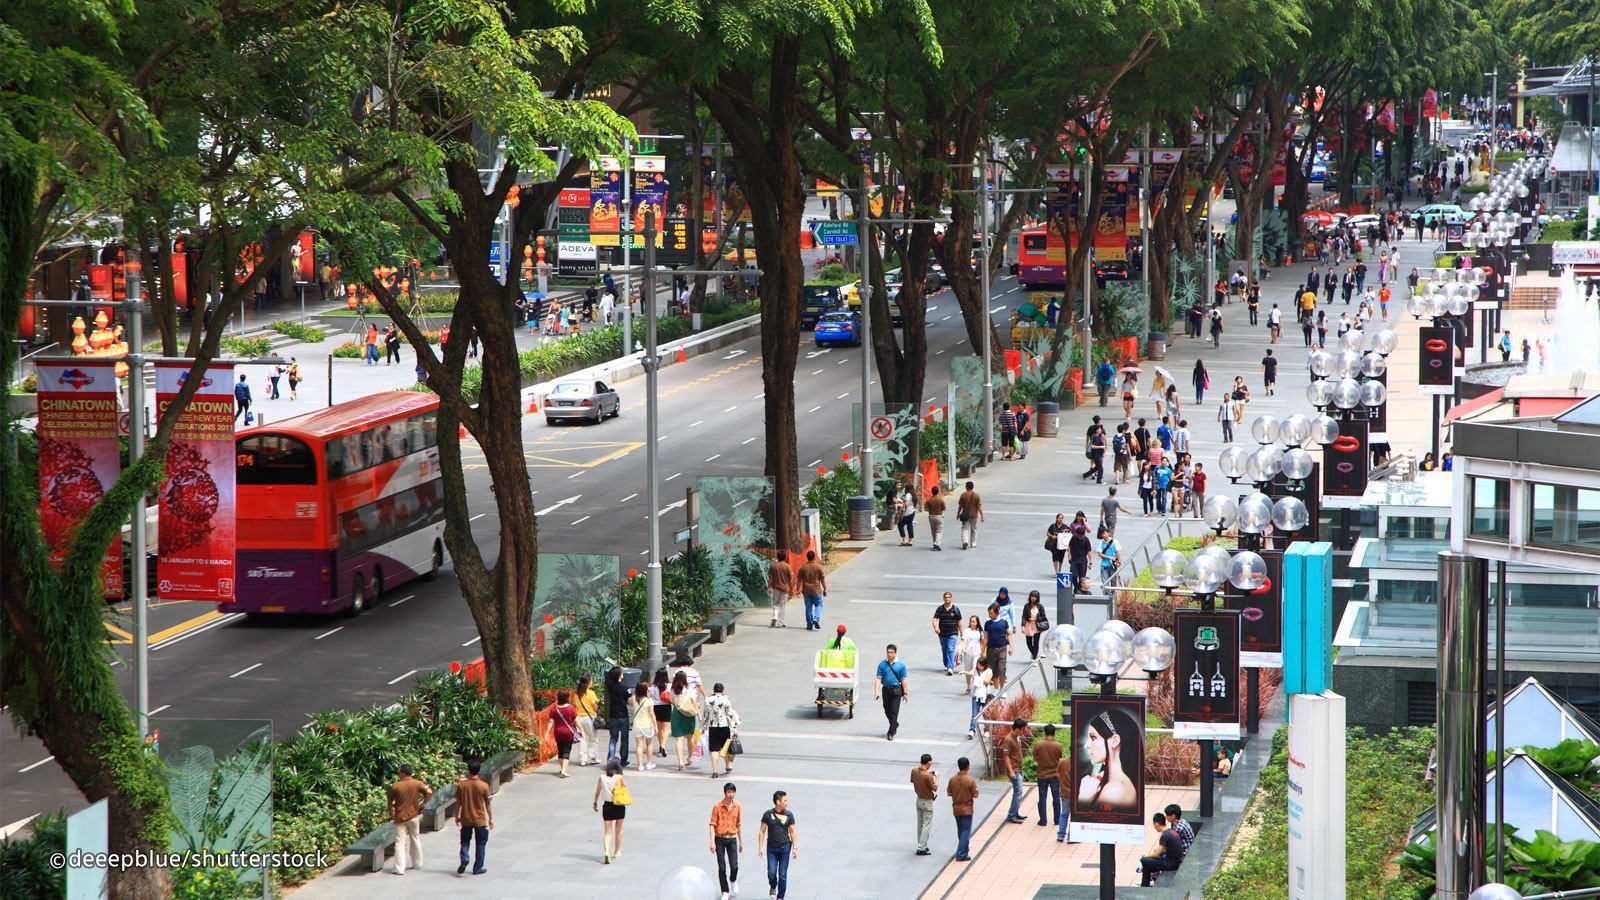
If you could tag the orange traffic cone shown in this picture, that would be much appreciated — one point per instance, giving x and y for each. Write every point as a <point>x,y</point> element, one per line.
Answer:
<point>462,433</point>
<point>682,356</point>
<point>533,403</point>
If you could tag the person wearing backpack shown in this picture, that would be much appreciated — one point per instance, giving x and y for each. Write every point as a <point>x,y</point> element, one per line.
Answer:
<point>1104,377</point>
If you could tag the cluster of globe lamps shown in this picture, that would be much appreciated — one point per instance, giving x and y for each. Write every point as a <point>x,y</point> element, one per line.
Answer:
<point>1499,221</point>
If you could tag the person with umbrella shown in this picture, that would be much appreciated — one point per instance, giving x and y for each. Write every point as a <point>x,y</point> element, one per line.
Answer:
<point>1130,389</point>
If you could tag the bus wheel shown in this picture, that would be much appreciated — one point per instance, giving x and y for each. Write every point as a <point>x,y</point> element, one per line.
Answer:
<point>377,584</point>
<point>438,560</point>
<point>358,600</point>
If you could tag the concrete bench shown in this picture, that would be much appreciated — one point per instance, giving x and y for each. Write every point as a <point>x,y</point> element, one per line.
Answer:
<point>690,645</point>
<point>500,767</point>
<point>722,625</point>
<point>967,464</point>
<point>375,847</point>
<point>440,806</point>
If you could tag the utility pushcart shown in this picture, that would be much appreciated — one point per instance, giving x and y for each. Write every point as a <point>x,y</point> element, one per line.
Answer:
<point>836,680</point>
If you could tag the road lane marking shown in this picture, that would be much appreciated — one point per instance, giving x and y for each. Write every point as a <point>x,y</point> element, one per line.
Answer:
<point>945,319</point>
<point>328,633</point>
<point>817,372</point>
<point>582,520</point>
<point>243,671</point>
<point>731,408</point>
<point>842,396</point>
<point>713,456</point>
<point>814,462</point>
<point>697,424</point>
<point>846,446</point>
<point>938,352</point>
<point>930,400</point>
<point>181,627</point>
<point>673,475</point>
<point>223,620</point>
<point>759,396</point>
<point>627,498</point>
<point>813,409</point>
<point>841,362</point>
<point>558,504</point>
<point>404,599</point>
<point>745,441</point>
<point>477,517</point>
<point>409,674</point>
<point>998,308</point>
<point>574,474</point>
<point>159,709</point>
<point>473,641</point>
<point>36,765</point>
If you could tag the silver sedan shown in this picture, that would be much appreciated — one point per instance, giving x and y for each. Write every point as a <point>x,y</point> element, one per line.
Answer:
<point>583,400</point>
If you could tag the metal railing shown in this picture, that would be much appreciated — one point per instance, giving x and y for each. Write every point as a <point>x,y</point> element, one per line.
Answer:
<point>1138,559</point>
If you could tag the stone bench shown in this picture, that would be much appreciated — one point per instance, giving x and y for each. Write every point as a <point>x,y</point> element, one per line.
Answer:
<point>440,807</point>
<point>375,846</point>
<point>690,645</point>
<point>722,625</point>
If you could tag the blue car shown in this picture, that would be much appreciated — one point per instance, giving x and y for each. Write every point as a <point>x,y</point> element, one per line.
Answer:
<point>838,328</point>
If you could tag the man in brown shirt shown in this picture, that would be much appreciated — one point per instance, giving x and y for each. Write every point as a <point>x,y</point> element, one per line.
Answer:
<point>475,816</point>
<point>780,584</point>
<point>962,790</point>
<point>727,838</point>
<point>813,587</point>
<point>1011,762</point>
<point>925,781</point>
<point>406,797</point>
<point>969,509</point>
<point>1047,757</point>
<point>935,510</point>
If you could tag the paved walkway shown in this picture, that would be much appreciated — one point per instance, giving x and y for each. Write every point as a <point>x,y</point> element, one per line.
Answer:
<point>848,786</point>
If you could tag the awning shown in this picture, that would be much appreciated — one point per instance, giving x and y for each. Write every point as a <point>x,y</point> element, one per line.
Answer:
<point>1477,407</point>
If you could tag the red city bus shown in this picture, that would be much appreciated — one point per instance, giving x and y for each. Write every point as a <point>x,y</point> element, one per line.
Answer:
<point>1041,259</point>
<point>338,505</point>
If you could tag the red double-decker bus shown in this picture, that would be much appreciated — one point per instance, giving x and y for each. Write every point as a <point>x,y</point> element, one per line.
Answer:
<point>338,505</point>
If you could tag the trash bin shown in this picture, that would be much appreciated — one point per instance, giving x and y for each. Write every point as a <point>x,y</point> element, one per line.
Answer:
<point>862,527</point>
<point>1049,419</point>
<point>1156,345</point>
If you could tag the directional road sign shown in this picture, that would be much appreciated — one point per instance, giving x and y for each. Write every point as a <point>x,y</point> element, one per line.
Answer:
<point>834,234</point>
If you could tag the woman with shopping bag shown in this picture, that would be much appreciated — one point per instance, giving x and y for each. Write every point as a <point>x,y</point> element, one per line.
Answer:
<point>721,722</point>
<point>685,720</point>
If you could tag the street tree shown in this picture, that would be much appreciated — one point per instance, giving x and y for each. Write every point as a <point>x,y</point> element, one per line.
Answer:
<point>451,128</point>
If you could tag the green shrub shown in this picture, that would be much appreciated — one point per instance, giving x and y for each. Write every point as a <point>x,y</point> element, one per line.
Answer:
<point>348,350</point>
<point>438,301</point>
<point>27,384</point>
<point>25,869</point>
<point>828,494</point>
<point>213,883</point>
<point>245,347</point>
<point>835,274</point>
<point>299,332</point>
<point>1568,230</point>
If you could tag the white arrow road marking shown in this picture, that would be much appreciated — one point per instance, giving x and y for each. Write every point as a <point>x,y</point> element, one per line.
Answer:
<point>813,354</point>
<point>670,507</point>
<point>558,504</point>
<point>734,354</point>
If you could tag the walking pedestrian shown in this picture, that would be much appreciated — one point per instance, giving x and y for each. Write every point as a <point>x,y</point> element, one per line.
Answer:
<point>727,840</point>
<point>661,693</point>
<point>618,715</point>
<point>277,372</point>
<point>1275,323</point>
<point>1078,557</point>
<point>1202,380</point>
<point>612,798</point>
<point>722,723</point>
<point>1105,376</point>
<point>1008,431</point>
<point>475,818</point>
<point>813,587</point>
<point>1130,393</point>
<point>1197,488</point>
<point>947,628</point>
<point>1216,326</point>
<point>889,685</point>
<point>970,649</point>
<point>1269,371</point>
<point>1011,765</point>
<point>1306,327</point>
<point>1035,622</point>
<point>1253,303</point>
<point>1094,445</point>
<point>1024,432</point>
<point>642,718</point>
<point>982,680</point>
<point>406,797</point>
<point>1046,754</point>
<point>1121,452</point>
<point>1322,328</point>
<point>564,724</point>
<point>1110,506</point>
<point>934,507</point>
<point>588,706</point>
<point>1056,536</point>
<point>925,782</point>
<point>969,512</point>
<point>1504,344</point>
<point>241,402</point>
<point>685,720</point>
<point>781,838</point>
<point>1110,555</point>
<point>1147,488</point>
<point>905,509</point>
<point>294,379</point>
<point>962,790</point>
<point>1161,474</point>
<point>997,644</point>
<point>780,583</point>
<point>372,345</point>
<point>391,345</point>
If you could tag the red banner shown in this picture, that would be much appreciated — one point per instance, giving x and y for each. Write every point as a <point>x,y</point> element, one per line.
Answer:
<point>304,256</point>
<point>197,527</point>
<point>79,457</point>
<point>1430,104</point>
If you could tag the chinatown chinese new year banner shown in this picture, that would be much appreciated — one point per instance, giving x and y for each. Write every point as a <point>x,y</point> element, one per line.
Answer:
<point>79,457</point>
<point>196,526</point>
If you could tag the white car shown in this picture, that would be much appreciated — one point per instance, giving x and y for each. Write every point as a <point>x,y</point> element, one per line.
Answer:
<point>1362,222</point>
<point>586,401</point>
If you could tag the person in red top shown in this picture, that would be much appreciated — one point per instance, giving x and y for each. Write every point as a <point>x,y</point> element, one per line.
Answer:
<point>1383,301</point>
<point>1197,488</point>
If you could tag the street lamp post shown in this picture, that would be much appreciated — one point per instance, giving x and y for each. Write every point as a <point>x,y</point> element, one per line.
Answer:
<point>988,325</point>
<point>864,227</point>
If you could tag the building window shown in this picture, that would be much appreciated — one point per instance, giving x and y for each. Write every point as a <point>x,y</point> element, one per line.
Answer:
<point>1565,517</point>
<point>1419,527</point>
<point>1491,507</point>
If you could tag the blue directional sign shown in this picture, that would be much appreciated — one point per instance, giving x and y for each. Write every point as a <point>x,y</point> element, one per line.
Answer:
<point>833,234</point>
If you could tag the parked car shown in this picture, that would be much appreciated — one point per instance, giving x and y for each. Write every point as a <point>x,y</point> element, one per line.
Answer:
<point>1448,212</point>
<point>936,275</point>
<point>841,327</point>
<point>816,300</point>
<point>582,400</point>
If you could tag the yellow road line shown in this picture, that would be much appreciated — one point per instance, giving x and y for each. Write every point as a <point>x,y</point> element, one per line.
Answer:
<point>124,637</point>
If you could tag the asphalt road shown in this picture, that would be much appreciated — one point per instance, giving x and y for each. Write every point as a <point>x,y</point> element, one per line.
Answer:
<point>589,486</point>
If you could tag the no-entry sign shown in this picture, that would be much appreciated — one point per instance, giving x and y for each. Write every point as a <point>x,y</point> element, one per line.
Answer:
<point>882,427</point>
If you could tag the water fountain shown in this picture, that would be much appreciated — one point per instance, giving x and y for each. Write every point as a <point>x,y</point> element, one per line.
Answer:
<point>1575,345</point>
